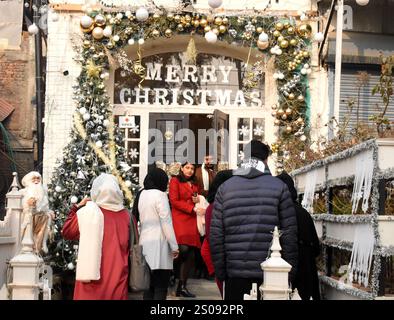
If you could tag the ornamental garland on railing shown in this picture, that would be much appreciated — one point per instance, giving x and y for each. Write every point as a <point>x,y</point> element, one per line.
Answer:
<point>281,37</point>
<point>348,289</point>
<point>371,218</point>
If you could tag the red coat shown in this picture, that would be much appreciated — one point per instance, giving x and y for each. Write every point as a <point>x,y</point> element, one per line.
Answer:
<point>114,259</point>
<point>184,219</point>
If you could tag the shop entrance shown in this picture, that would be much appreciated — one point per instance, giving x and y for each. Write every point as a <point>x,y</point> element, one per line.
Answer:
<point>169,143</point>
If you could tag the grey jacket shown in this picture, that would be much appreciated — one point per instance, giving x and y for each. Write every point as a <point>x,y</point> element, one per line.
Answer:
<point>247,207</point>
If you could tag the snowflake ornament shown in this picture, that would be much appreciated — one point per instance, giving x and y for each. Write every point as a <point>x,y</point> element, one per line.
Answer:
<point>134,153</point>
<point>244,131</point>
<point>134,129</point>
<point>258,131</point>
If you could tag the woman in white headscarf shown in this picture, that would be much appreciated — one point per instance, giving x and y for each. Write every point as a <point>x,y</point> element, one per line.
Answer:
<point>101,224</point>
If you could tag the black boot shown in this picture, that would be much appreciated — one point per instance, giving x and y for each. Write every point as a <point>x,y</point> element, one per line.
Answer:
<point>182,291</point>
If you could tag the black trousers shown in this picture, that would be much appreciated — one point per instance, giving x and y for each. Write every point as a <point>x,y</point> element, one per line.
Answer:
<point>159,281</point>
<point>235,288</point>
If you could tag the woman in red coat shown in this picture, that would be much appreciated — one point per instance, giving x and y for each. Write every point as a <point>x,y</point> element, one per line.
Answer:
<point>183,197</point>
<point>102,227</point>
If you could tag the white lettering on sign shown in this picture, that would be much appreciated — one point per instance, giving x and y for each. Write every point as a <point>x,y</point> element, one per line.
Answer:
<point>208,76</point>
<point>126,121</point>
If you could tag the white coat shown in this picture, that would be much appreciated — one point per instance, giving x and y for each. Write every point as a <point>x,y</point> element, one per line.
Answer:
<point>157,233</point>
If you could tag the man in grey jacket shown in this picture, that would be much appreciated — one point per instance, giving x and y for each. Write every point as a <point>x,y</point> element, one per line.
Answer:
<point>247,207</point>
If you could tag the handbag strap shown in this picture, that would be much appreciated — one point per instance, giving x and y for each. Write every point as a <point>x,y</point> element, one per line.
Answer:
<point>134,236</point>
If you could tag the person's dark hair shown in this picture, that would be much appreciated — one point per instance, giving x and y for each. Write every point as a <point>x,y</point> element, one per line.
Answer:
<point>288,180</point>
<point>181,177</point>
<point>257,149</point>
<point>156,179</point>
<point>220,178</point>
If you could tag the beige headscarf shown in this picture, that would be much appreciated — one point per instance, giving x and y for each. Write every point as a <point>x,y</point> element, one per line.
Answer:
<point>105,193</point>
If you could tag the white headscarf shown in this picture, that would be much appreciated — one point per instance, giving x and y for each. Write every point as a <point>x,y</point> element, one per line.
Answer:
<point>105,193</point>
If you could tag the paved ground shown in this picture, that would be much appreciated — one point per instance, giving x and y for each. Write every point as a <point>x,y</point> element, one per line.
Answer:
<point>203,289</point>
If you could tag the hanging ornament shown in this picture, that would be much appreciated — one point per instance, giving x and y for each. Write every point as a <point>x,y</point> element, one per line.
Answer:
<point>107,32</point>
<point>131,41</point>
<point>262,45</point>
<point>58,189</point>
<point>86,24</point>
<point>116,38</point>
<point>98,33</point>
<point>263,37</point>
<point>86,116</point>
<point>284,44</point>
<point>141,41</point>
<point>99,20</point>
<point>155,33</point>
<point>222,29</point>
<point>293,42</point>
<point>233,33</point>
<point>279,26</point>
<point>33,29</point>
<point>142,14</point>
<point>168,33</point>
<point>319,37</point>
<point>304,30</point>
<point>74,199</point>
<point>191,51</point>
<point>211,37</point>
<point>215,3</point>
<point>218,21</point>
<point>170,16</point>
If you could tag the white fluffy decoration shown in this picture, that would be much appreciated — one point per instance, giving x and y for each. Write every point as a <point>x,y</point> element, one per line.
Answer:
<point>362,180</point>
<point>361,259</point>
<point>309,193</point>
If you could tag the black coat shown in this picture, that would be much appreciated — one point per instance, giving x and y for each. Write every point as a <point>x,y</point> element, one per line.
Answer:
<point>247,207</point>
<point>306,281</point>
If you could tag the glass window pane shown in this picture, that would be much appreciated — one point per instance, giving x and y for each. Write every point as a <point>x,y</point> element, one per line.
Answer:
<point>243,129</point>
<point>133,152</point>
<point>259,129</point>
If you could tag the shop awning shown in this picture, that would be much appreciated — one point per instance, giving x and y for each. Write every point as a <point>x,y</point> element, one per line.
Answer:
<point>5,109</point>
<point>361,48</point>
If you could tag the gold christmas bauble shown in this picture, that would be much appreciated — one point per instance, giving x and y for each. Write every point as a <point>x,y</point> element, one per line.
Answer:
<point>98,33</point>
<point>290,30</point>
<point>180,27</point>
<point>196,23</point>
<point>273,113</point>
<point>262,45</point>
<point>279,26</point>
<point>289,129</point>
<point>177,18</point>
<point>187,25</point>
<point>86,43</point>
<point>300,98</point>
<point>305,54</point>
<point>188,18</point>
<point>259,30</point>
<point>288,111</point>
<point>291,96</point>
<point>277,33</point>
<point>284,117</point>
<point>286,25</point>
<point>110,45</point>
<point>170,16</point>
<point>156,16</point>
<point>207,29</point>
<point>218,21</point>
<point>87,30</point>
<point>203,23</point>
<point>281,38</point>
<point>300,121</point>
<point>99,20</point>
<point>284,44</point>
<point>293,42</point>
<point>304,30</point>
<point>215,31</point>
<point>277,122</point>
<point>225,20</point>
<point>222,29</point>
<point>168,33</point>
<point>155,33</point>
<point>210,18</point>
<point>280,112</point>
<point>274,107</point>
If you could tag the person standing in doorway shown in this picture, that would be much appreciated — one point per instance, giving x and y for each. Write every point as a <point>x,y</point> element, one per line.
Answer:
<point>183,193</point>
<point>247,208</point>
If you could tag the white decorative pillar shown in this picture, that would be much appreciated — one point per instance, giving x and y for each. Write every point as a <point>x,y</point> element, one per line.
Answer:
<point>276,273</point>
<point>26,265</point>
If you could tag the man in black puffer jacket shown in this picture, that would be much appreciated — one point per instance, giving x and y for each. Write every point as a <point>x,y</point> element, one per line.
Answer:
<point>247,207</point>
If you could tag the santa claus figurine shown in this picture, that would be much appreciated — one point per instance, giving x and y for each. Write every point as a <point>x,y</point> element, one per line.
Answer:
<point>35,198</point>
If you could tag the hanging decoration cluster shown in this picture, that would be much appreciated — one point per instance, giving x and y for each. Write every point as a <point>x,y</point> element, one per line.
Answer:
<point>282,37</point>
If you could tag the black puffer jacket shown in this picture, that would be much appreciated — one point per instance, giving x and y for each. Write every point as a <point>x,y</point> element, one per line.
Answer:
<point>247,207</point>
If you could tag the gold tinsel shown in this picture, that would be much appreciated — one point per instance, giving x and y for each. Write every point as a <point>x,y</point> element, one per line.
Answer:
<point>191,51</point>
<point>92,69</point>
<point>138,68</point>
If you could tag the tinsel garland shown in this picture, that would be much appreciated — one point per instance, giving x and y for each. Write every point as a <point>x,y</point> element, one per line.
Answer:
<point>348,289</point>
<point>372,218</point>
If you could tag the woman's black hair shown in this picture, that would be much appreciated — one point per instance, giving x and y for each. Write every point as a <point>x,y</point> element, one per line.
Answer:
<point>181,177</point>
